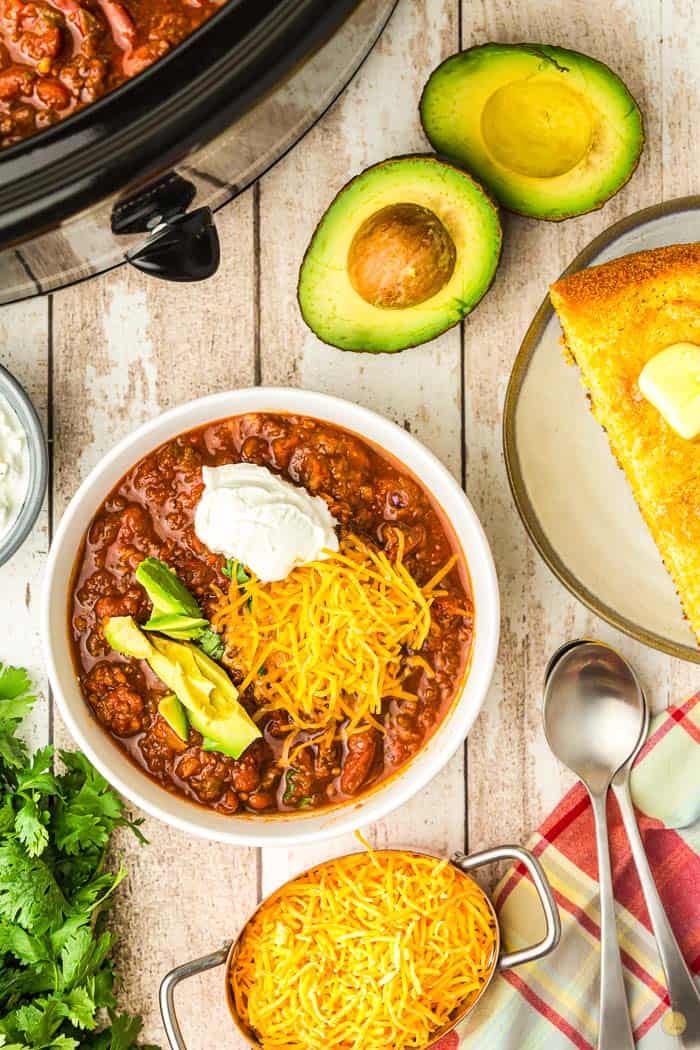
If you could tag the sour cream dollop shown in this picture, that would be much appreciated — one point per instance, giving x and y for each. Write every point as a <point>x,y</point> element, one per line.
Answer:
<point>248,513</point>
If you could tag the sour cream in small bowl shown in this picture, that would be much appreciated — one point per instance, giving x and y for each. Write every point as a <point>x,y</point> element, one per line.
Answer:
<point>23,465</point>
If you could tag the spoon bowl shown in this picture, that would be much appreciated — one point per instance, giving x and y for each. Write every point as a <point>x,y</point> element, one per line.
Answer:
<point>594,712</point>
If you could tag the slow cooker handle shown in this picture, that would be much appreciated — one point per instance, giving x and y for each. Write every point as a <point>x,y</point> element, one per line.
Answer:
<point>182,248</point>
<point>170,983</point>
<point>544,892</point>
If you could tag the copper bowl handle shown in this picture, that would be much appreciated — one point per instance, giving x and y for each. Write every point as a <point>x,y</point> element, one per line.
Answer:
<point>544,892</point>
<point>170,983</point>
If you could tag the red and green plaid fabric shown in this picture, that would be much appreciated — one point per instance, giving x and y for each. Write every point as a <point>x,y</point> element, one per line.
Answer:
<point>553,1004</point>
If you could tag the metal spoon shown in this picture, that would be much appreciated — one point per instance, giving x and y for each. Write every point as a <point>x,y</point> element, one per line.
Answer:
<point>684,1021</point>
<point>685,999</point>
<point>593,718</point>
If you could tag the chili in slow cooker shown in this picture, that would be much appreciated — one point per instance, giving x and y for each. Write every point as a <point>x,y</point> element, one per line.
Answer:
<point>57,56</point>
<point>150,513</point>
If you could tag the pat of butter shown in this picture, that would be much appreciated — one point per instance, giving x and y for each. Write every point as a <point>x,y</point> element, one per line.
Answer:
<point>671,382</point>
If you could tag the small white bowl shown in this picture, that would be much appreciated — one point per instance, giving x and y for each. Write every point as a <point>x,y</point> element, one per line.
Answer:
<point>111,761</point>
<point>19,528</point>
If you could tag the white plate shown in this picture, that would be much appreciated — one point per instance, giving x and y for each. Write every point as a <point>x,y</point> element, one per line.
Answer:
<point>571,495</point>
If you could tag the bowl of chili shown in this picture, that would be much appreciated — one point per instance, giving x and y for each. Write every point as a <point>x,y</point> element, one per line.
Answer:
<point>402,521</point>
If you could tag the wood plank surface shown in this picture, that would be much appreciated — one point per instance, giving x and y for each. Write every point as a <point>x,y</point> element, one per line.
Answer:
<point>125,349</point>
<point>421,390</point>
<point>120,348</point>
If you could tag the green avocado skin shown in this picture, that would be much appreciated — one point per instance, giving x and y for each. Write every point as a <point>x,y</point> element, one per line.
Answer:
<point>330,305</point>
<point>168,594</point>
<point>451,109</point>
<point>177,626</point>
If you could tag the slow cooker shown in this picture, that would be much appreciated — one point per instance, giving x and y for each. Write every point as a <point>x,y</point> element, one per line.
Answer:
<point>139,174</point>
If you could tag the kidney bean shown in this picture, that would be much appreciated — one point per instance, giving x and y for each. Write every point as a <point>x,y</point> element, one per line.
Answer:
<point>362,749</point>
<point>15,82</point>
<point>52,93</point>
<point>260,800</point>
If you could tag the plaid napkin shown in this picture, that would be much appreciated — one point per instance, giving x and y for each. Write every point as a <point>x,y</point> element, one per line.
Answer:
<point>553,1004</point>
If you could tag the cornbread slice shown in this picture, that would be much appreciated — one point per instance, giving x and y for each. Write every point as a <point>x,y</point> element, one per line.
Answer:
<point>615,318</point>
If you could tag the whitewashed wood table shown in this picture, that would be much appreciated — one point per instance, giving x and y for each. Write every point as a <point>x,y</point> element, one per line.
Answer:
<point>103,356</point>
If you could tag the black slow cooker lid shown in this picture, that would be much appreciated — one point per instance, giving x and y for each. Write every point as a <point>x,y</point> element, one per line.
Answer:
<point>170,110</point>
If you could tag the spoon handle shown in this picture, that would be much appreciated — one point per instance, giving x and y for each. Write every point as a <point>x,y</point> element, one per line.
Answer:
<point>684,996</point>
<point>615,1031</point>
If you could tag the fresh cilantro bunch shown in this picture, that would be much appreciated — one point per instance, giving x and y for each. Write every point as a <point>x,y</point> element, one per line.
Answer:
<point>56,979</point>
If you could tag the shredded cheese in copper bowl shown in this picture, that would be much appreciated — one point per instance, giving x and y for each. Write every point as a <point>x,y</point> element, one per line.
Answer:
<point>373,950</point>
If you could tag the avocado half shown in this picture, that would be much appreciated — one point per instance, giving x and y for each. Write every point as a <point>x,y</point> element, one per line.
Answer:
<point>552,133</point>
<point>405,251</point>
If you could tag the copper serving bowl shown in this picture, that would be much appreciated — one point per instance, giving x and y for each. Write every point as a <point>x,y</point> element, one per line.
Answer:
<point>501,961</point>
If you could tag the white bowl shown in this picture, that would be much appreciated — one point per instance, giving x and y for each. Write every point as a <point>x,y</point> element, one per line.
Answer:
<point>273,830</point>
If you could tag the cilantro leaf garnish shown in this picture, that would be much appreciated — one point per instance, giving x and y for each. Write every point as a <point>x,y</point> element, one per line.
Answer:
<point>210,643</point>
<point>56,976</point>
<point>288,796</point>
<point>241,575</point>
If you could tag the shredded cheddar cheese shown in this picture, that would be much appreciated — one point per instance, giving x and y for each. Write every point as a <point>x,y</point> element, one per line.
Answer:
<point>328,644</point>
<point>375,950</point>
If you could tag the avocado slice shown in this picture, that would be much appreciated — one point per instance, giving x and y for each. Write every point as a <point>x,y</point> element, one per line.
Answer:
<point>405,251</point>
<point>222,735</point>
<point>175,715</point>
<point>209,695</point>
<point>179,672</point>
<point>175,611</point>
<point>168,594</point>
<point>200,684</point>
<point>175,662</point>
<point>214,672</point>
<point>551,133</point>
<point>125,635</point>
<point>175,625</point>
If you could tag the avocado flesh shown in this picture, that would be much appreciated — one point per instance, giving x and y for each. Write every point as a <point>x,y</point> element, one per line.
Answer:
<point>125,635</point>
<point>339,315</point>
<point>550,132</point>
<point>200,684</point>
<point>175,715</point>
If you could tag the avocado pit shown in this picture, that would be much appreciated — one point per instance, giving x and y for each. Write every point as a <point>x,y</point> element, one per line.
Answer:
<point>405,251</point>
<point>540,128</point>
<point>401,256</point>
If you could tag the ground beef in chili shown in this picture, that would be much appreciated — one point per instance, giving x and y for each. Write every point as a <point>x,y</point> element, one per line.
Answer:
<point>150,514</point>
